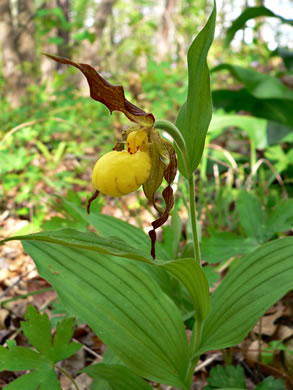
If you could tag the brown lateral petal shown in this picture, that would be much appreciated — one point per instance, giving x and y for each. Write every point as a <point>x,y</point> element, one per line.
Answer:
<point>91,199</point>
<point>171,170</point>
<point>156,176</point>
<point>169,200</point>
<point>160,148</point>
<point>112,96</point>
<point>166,150</point>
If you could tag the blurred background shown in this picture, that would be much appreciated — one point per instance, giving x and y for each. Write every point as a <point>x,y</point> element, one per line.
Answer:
<point>52,133</point>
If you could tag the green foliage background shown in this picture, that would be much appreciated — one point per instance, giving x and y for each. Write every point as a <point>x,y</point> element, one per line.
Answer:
<point>51,137</point>
<point>56,133</point>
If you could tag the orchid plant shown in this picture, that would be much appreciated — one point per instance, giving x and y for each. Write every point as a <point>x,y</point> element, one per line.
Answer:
<point>117,283</point>
<point>148,158</point>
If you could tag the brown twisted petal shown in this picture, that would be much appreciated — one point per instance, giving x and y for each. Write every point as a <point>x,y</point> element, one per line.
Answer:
<point>169,175</point>
<point>112,96</point>
<point>169,200</point>
<point>91,199</point>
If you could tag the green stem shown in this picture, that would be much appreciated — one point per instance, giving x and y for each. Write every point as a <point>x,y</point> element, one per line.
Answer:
<point>175,133</point>
<point>197,329</point>
<point>204,199</point>
<point>204,161</point>
<point>68,376</point>
<point>252,161</point>
<point>195,343</point>
<point>252,154</point>
<point>193,220</point>
<point>23,296</point>
<point>181,146</point>
<point>180,143</point>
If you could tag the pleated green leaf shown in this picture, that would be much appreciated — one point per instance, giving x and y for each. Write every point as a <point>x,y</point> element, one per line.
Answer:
<point>106,225</point>
<point>252,216</point>
<point>275,109</point>
<point>259,85</point>
<point>117,377</point>
<point>255,128</point>
<point>87,240</point>
<point>221,246</point>
<point>188,272</point>
<point>122,304</point>
<point>195,114</point>
<point>250,288</point>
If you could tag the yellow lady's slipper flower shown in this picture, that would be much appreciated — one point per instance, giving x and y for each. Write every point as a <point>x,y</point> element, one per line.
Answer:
<point>148,159</point>
<point>118,173</point>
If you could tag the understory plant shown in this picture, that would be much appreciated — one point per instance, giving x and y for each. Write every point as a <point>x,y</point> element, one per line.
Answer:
<point>121,282</point>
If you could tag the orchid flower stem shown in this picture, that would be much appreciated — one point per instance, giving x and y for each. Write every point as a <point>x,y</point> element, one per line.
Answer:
<point>175,133</point>
<point>192,207</point>
<point>194,347</point>
<point>197,329</point>
<point>252,157</point>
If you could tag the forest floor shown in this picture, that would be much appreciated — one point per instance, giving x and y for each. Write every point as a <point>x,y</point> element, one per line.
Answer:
<point>19,280</point>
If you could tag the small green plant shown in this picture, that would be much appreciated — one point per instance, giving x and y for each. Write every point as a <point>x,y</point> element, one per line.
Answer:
<point>274,346</point>
<point>47,352</point>
<point>233,378</point>
<point>110,280</point>
<point>256,226</point>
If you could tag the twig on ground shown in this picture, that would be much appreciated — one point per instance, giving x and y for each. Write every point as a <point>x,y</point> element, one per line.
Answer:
<point>5,292</point>
<point>96,355</point>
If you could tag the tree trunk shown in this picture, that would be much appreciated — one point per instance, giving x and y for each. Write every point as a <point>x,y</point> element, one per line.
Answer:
<point>167,30</point>
<point>25,41</point>
<point>93,51</point>
<point>63,31</point>
<point>25,38</point>
<point>47,65</point>
<point>11,59</point>
<point>104,11</point>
